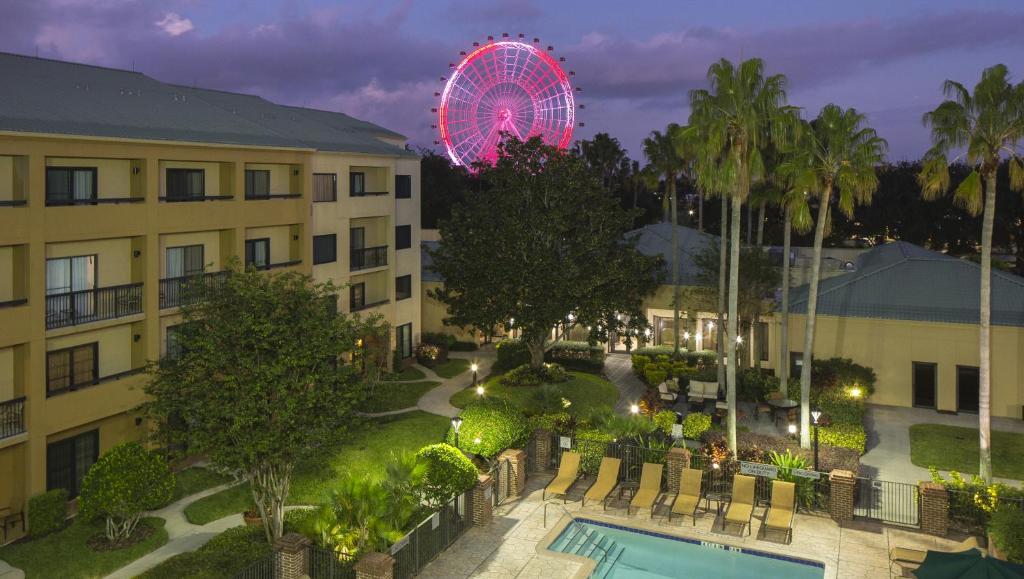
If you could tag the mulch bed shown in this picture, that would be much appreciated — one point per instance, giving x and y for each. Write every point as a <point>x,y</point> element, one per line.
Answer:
<point>99,542</point>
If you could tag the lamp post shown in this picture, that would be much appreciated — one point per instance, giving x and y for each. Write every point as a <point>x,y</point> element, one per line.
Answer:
<point>474,368</point>
<point>456,424</point>
<point>815,415</point>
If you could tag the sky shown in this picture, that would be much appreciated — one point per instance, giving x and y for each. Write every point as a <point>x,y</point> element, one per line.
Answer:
<point>635,60</point>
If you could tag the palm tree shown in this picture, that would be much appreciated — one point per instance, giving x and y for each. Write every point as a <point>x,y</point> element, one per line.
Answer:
<point>986,125</point>
<point>835,153</point>
<point>796,214</point>
<point>741,114</point>
<point>603,153</point>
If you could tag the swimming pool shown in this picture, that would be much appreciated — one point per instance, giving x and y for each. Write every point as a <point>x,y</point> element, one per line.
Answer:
<point>624,553</point>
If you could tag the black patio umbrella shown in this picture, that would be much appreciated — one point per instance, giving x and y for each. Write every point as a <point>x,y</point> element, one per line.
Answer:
<point>970,564</point>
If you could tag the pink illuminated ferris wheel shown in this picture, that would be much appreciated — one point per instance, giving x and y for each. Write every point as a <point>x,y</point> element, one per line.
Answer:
<point>504,86</point>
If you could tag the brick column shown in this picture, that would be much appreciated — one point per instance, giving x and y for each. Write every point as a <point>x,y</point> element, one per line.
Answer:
<point>291,562</point>
<point>483,502</point>
<point>517,463</point>
<point>841,486</point>
<point>542,449</point>
<point>934,508</point>
<point>375,566</point>
<point>676,460</point>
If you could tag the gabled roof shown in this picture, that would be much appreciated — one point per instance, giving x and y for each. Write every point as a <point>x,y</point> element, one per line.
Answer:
<point>40,95</point>
<point>902,281</point>
<point>656,239</point>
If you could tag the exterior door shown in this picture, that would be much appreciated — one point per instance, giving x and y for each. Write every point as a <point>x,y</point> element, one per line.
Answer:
<point>967,389</point>
<point>924,383</point>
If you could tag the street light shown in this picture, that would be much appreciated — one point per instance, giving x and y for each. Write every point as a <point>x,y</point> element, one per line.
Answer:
<point>457,424</point>
<point>815,415</point>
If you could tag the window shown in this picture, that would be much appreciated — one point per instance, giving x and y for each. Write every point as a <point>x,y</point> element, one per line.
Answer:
<point>72,368</point>
<point>70,184</point>
<point>967,389</point>
<point>325,187</point>
<point>403,287</point>
<point>357,238</point>
<point>184,261</point>
<point>357,296</point>
<point>257,183</point>
<point>403,340</point>
<point>403,186</point>
<point>924,383</point>
<point>325,248</point>
<point>357,184</point>
<point>257,252</point>
<point>65,275</point>
<point>761,331</point>
<point>68,460</point>
<point>186,184</point>
<point>403,237</point>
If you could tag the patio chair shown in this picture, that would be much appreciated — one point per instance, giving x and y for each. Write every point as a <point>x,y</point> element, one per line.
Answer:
<point>780,512</point>
<point>665,394</point>
<point>607,480</point>
<point>568,474</point>
<point>689,494</point>
<point>741,507</point>
<point>909,559</point>
<point>649,489</point>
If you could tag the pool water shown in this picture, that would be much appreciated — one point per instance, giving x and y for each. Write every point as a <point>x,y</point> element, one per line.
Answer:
<point>624,553</point>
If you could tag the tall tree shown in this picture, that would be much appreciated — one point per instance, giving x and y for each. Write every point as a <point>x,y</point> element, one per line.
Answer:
<point>260,381</point>
<point>442,186</point>
<point>539,241</point>
<point>796,214</point>
<point>605,155</point>
<point>836,153</point>
<point>743,112</point>
<point>986,124</point>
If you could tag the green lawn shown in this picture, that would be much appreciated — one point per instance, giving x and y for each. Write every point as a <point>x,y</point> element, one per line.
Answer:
<point>65,554</point>
<point>363,454</point>
<point>410,373</point>
<point>956,448</point>
<point>396,395</point>
<point>588,392</point>
<point>223,556</point>
<point>451,367</point>
<point>192,480</point>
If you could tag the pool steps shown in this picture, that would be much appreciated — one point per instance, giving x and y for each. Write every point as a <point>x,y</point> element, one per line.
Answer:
<point>591,544</point>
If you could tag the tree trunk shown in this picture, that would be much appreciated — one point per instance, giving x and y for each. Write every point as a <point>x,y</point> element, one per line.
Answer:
<point>985,337</point>
<point>784,330</point>
<point>733,320</point>
<point>536,347</point>
<point>675,271</point>
<point>760,225</point>
<point>722,261</point>
<point>750,223</point>
<point>270,485</point>
<point>812,308</point>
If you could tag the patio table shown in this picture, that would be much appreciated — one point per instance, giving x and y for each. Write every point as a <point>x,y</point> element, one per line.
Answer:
<point>778,405</point>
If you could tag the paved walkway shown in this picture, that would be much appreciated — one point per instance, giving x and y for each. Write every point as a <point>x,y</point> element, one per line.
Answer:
<point>618,368</point>
<point>436,401</point>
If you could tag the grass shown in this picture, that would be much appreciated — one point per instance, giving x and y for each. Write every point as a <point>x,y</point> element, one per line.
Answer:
<point>364,454</point>
<point>65,553</point>
<point>223,556</point>
<point>451,367</point>
<point>410,373</point>
<point>396,395</point>
<point>195,479</point>
<point>956,448</point>
<point>588,392</point>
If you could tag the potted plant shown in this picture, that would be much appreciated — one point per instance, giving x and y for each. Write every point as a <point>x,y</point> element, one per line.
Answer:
<point>251,516</point>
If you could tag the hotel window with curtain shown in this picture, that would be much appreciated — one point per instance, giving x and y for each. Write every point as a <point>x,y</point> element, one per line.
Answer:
<point>68,460</point>
<point>70,278</point>
<point>183,184</point>
<point>403,287</point>
<point>68,185</point>
<point>325,187</point>
<point>403,340</point>
<point>257,183</point>
<point>72,368</point>
<point>257,252</point>
<point>185,261</point>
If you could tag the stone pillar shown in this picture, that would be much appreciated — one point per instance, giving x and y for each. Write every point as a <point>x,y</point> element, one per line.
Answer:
<point>291,549</point>
<point>375,566</point>
<point>841,487</point>
<point>517,464</point>
<point>483,502</point>
<point>934,508</point>
<point>542,449</point>
<point>676,460</point>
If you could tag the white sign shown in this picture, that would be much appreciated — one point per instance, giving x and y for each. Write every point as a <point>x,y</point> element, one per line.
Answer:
<point>677,431</point>
<point>758,469</point>
<point>435,520</point>
<point>564,442</point>
<point>813,474</point>
<point>401,543</point>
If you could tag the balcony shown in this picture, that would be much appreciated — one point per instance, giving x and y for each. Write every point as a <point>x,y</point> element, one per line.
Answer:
<point>52,390</point>
<point>82,307</point>
<point>12,417</point>
<point>53,201</point>
<point>368,257</point>
<point>358,307</point>
<point>187,290</point>
<point>258,196</point>
<point>279,265</point>
<point>192,198</point>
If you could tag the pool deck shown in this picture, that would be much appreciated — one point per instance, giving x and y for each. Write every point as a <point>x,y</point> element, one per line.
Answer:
<point>515,544</point>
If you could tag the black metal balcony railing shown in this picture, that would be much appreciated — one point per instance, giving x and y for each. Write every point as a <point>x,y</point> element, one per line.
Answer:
<point>176,199</point>
<point>277,265</point>
<point>369,257</point>
<point>12,417</point>
<point>52,390</point>
<point>254,196</point>
<point>369,193</point>
<point>189,289</point>
<point>13,202</point>
<point>357,307</point>
<point>82,307</point>
<point>58,202</point>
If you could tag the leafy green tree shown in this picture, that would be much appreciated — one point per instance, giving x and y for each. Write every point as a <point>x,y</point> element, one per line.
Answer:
<point>605,155</point>
<point>261,383</point>
<point>448,474</point>
<point>987,124</point>
<point>540,241</point>
<point>442,186</point>
<point>836,153</point>
<point>124,482</point>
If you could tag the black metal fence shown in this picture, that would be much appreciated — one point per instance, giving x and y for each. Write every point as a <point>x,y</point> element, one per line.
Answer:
<point>186,290</point>
<point>970,510</point>
<point>12,417</point>
<point>887,501</point>
<point>327,564</point>
<point>265,568</point>
<point>501,474</point>
<point>368,257</point>
<point>81,307</point>
<point>432,536</point>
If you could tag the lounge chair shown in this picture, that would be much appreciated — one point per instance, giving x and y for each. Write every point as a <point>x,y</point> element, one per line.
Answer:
<point>607,480</point>
<point>649,489</point>
<point>568,474</point>
<point>909,559</point>
<point>741,507</point>
<point>780,512</point>
<point>665,394</point>
<point>689,494</point>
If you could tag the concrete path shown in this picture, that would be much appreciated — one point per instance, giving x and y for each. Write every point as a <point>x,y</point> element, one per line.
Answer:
<point>436,401</point>
<point>618,368</point>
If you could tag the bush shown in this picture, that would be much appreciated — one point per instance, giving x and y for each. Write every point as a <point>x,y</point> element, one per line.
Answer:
<point>971,501</point>
<point>653,351</point>
<point>695,425</point>
<point>526,376</point>
<point>561,423</point>
<point>430,355</point>
<point>47,512</point>
<point>654,375</point>
<point>449,473</point>
<point>125,481</point>
<point>511,353</point>
<point>223,556</point>
<point>755,385</point>
<point>841,435</point>
<point>438,339</point>
<point>640,362</point>
<point>842,374</point>
<point>1007,531</point>
<point>592,445</point>
<point>758,447</point>
<point>577,355</point>
<point>489,426</point>
<point>665,420</point>
<point>837,407</point>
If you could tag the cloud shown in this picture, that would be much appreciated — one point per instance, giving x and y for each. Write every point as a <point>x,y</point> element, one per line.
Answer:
<point>505,11</point>
<point>174,24</point>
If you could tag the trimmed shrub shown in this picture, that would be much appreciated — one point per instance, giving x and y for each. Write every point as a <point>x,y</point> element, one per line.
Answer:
<point>577,355</point>
<point>640,362</point>
<point>511,353</point>
<point>841,435</point>
<point>449,473</point>
<point>438,339</point>
<point>842,374</point>
<point>592,445</point>
<point>695,425</point>
<point>755,385</point>
<point>654,375</point>
<point>430,355</point>
<point>665,420</point>
<point>561,423</point>
<point>839,408</point>
<point>125,481</point>
<point>1007,531</point>
<point>526,376</point>
<point>653,351</point>
<point>223,556</point>
<point>489,426</point>
<point>972,502</point>
<point>47,512</point>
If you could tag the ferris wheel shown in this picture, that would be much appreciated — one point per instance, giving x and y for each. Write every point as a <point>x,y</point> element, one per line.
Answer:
<point>505,86</point>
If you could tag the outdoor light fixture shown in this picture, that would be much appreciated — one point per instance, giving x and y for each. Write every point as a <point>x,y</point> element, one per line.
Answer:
<point>855,392</point>
<point>691,212</point>
<point>457,424</point>
<point>647,332</point>
<point>634,409</point>
<point>792,429</point>
<point>686,335</point>
<point>815,415</point>
<point>571,318</point>
<point>711,326</point>
<point>739,339</point>
<point>480,391</point>
<point>474,368</point>
<point>476,440</point>
<point>714,465</point>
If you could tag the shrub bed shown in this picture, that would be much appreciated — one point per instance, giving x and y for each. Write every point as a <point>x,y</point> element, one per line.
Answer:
<point>449,473</point>
<point>47,512</point>
<point>695,425</point>
<point>577,355</point>
<point>851,436</point>
<point>1007,531</point>
<point>592,443</point>
<point>510,354</point>
<point>489,426</point>
<point>223,556</point>
<point>842,374</point>
<point>526,376</point>
<point>757,448</point>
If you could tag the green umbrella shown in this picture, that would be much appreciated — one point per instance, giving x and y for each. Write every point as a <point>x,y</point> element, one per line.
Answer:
<point>966,565</point>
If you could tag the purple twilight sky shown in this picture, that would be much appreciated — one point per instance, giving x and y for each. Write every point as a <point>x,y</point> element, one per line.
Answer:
<point>635,59</point>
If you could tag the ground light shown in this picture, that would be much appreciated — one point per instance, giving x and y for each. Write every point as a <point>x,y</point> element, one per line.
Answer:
<point>480,390</point>
<point>815,415</point>
<point>456,425</point>
<point>792,429</point>
<point>634,409</point>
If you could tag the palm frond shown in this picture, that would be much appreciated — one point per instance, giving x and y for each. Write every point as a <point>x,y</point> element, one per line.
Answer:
<point>968,193</point>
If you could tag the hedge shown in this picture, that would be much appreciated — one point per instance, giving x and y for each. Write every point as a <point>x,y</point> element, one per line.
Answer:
<point>526,376</point>
<point>1007,531</point>
<point>449,473</point>
<point>489,426</point>
<point>47,512</point>
<point>592,444</point>
<point>756,447</point>
<point>511,353</point>
<point>665,420</point>
<point>842,374</point>
<point>448,341</point>
<point>576,355</point>
<point>696,424</point>
<point>840,435</point>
